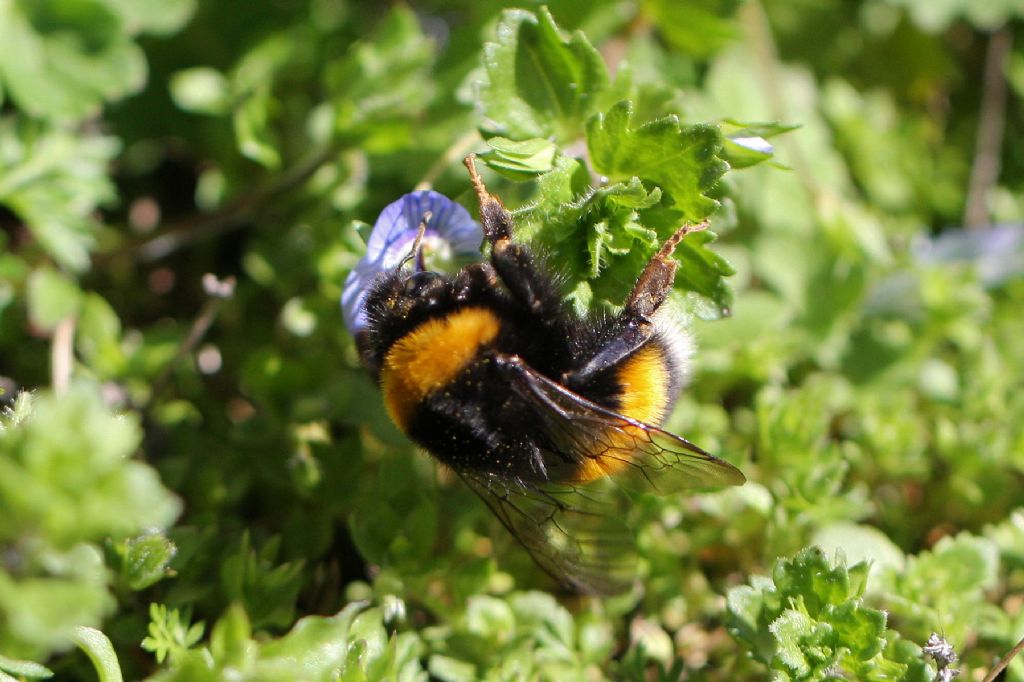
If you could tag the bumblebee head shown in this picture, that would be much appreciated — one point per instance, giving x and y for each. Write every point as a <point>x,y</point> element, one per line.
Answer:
<point>397,301</point>
<point>408,296</point>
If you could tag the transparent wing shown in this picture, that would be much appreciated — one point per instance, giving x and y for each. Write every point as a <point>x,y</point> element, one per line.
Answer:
<point>574,524</point>
<point>585,441</point>
<point>577,534</point>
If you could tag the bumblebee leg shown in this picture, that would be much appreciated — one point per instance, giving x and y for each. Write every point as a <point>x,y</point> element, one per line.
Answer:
<point>630,334</point>
<point>494,217</point>
<point>514,263</point>
<point>634,326</point>
<point>473,279</point>
<point>655,281</point>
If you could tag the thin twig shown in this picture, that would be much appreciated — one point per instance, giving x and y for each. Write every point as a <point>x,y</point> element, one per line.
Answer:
<point>62,354</point>
<point>173,236</point>
<point>992,674</point>
<point>218,292</point>
<point>991,123</point>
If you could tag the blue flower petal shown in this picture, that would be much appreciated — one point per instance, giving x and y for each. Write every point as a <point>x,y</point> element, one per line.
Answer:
<point>392,237</point>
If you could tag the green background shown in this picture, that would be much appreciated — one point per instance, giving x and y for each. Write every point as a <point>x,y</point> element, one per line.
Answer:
<point>198,482</point>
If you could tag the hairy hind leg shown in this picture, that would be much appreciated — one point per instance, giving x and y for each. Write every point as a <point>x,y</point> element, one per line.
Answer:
<point>517,267</point>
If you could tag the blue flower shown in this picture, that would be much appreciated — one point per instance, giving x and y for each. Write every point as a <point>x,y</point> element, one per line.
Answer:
<point>451,233</point>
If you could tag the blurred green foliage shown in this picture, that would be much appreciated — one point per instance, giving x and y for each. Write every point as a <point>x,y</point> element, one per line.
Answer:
<point>197,481</point>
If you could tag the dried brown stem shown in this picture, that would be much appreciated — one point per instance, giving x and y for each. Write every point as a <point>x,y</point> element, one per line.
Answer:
<point>1001,665</point>
<point>176,235</point>
<point>218,292</point>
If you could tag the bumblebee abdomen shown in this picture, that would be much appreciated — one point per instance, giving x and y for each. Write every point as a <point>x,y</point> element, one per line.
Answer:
<point>430,356</point>
<point>644,392</point>
<point>645,379</point>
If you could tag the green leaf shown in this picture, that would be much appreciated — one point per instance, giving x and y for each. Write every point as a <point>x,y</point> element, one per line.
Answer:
<point>264,591</point>
<point>680,159</point>
<point>697,27</point>
<point>161,17</point>
<point>201,90</point>
<point>819,584</point>
<point>315,640</point>
<point>98,336</point>
<point>145,559</point>
<point>793,630</point>
<point>809,620</point>
<point>54,180</point>
<point>538,82</point>
<point>25,668</point>
<point>170,635</point>
<point>66,472</point>
<point>746,144</point>
<point>252,127</point>
<point>100,652</point>
<point>860,543</point>
<point>72,56</point>
<point>520,160</point>
<point>860,629</point>
<point>231,640</point>
<point>52,297</point>
<point>396,52</point>
<point>451,669</point>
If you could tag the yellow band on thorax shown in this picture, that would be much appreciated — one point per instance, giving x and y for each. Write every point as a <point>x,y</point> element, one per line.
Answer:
<point>431,356</point>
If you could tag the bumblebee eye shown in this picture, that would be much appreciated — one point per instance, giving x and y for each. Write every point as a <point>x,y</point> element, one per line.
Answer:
<point>423,284</point>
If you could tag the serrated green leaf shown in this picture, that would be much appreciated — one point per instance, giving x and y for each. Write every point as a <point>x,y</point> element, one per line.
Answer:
<point>791,630</point>
<point>145,559</point>
<point>859,629</point>
<point>680,159</point>
<point>812,576</point>
<point>539,83</point>
<point>72,55</point>
<point>54,181</point>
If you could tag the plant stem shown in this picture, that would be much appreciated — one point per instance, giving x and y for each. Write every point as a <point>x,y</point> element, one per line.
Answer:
<point>218,292</point>
<point>62,354</point>
<point>992,674</point>
<point>991,123</point>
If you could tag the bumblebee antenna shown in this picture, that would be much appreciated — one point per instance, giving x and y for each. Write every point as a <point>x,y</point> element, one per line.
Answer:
<point>416,252</point>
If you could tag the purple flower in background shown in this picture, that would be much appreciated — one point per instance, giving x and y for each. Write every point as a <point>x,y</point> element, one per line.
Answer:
<point>451,233</point>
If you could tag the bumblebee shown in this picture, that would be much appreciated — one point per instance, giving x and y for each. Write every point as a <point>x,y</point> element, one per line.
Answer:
<point>550,417</point>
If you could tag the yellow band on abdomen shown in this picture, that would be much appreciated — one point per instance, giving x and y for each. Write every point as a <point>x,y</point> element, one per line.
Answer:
<point>643,380</point>
<point>430,356</point>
